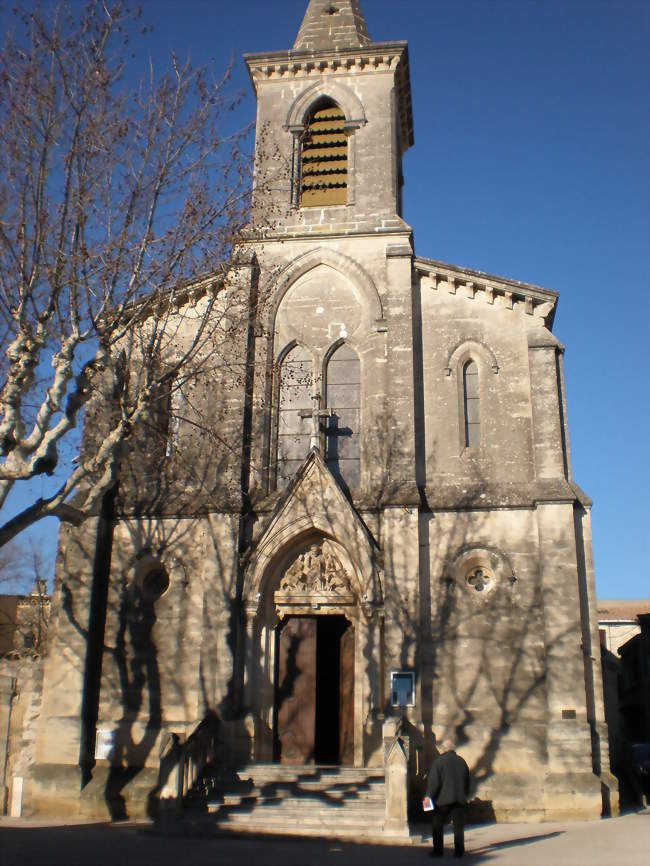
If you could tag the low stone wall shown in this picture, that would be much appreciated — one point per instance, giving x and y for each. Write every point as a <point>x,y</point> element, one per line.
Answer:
<point>21,681</point>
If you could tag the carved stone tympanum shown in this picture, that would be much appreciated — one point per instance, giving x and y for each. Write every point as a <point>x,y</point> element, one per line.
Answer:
<point>317,570</point>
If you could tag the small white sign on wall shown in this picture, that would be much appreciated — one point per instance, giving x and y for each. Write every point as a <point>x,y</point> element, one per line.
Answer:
<point>104,743</point>
<point>16,808</point>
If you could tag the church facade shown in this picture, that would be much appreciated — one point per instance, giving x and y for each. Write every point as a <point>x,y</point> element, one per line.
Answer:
<point>405,549</point>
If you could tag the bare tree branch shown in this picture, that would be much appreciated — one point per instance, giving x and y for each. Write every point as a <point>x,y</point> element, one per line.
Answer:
<point>115,204</point>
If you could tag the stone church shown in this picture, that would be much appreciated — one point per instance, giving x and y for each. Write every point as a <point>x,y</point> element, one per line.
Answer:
<point>407,557</point>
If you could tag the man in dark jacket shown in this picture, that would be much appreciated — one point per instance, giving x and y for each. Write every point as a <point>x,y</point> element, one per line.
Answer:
<point>448,788</point>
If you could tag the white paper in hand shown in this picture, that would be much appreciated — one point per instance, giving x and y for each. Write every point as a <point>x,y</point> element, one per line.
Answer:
<point>427,804</point>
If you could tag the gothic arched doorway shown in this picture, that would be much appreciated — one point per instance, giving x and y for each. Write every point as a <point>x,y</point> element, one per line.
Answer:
<point>313,677</point>
<point>312,674</point>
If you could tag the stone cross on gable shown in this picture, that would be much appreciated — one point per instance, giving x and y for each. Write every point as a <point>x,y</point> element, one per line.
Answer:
<point>317,415</point>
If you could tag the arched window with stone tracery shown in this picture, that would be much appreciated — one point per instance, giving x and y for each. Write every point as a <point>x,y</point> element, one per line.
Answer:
<point>294,413</point>
<point>343,400</point>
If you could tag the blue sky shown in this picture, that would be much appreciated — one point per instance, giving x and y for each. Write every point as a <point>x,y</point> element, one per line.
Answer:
<point>532,161</point>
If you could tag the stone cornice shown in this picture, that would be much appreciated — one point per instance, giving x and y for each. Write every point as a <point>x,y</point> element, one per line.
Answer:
<point>378,56</point>
<point>531,299</point>
<point>262,58</point>
<point>324,233</point>
<point>293,64</point>
<point>440,496</point>
<point>436,497</point>
<point>498,496</point>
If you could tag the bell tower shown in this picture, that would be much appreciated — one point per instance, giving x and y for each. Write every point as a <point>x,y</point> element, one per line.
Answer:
<point>333,121</point>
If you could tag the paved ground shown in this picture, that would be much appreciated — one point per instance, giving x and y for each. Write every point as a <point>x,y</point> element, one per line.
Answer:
<point>621,841</point>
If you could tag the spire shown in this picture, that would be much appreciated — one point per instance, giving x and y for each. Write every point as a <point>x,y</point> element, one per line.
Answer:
<point>332,24</point>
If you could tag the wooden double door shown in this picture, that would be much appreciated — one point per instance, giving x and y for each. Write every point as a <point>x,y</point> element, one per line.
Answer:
<point>314,691</point>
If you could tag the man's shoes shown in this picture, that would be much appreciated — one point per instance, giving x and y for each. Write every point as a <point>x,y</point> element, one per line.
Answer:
<point>459,854</point>
<point>435,853</point>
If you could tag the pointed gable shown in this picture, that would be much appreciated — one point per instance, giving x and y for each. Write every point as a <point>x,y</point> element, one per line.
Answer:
<point>314,502</point>
<point>332,24</point>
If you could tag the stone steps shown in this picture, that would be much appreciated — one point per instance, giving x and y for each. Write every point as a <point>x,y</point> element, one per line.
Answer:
<point>344,802</point>
<point>259,796</point>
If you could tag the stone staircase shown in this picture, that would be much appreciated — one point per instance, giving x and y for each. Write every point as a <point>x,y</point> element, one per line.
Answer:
<point>337,802</point>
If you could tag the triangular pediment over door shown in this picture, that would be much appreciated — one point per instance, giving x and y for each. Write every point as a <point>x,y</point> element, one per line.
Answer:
<point>315,505</point>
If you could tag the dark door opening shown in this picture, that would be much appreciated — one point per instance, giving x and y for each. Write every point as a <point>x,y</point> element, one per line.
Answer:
<point>314,705</point>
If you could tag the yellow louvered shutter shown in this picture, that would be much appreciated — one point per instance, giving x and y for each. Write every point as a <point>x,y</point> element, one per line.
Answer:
<point>324,159</point>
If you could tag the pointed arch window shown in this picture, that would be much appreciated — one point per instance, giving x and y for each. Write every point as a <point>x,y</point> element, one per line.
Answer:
<point>343,449</point>
<point>471,405</point>
<point>156,435</point>
<point>294,412</point>
<point>324,157</point>
<point>174,408</point>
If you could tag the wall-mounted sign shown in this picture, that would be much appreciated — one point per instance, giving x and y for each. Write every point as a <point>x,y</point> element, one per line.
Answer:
<point>104,743</point>
<point>402,688</point>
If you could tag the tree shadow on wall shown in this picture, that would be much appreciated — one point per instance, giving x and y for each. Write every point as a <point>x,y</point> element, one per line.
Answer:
<point>481,651</point>
<point>184,464</point>
<point>138,674</point>
<point>159,519</point>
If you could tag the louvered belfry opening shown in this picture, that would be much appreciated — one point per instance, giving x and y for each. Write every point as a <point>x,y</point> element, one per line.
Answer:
<point>324,158</point>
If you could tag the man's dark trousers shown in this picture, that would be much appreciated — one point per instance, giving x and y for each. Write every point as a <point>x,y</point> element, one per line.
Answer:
<point>440,816</point>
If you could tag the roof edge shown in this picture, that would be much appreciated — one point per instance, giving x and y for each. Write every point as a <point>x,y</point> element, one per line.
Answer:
<point>428,264</point>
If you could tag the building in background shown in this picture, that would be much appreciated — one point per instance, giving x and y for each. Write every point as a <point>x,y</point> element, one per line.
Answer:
<point>23,635</point>
<point>618,621</point>
<point>625,654</point>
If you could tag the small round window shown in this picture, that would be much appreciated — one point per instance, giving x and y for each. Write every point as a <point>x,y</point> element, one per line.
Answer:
<point>154,583</point>
<point>151,579</point>
<point>480,579</point>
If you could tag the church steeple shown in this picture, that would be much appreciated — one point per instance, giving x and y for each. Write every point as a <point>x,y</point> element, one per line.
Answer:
<point>332,24</point>
<point>333,121</point>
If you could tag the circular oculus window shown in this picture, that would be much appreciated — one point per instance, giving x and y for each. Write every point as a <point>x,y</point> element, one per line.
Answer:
<point>154,583</point>
<point>480,579</point>
<point>151,578</point>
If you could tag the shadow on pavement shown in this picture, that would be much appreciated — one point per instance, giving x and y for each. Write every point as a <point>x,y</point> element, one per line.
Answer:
<point>476,854</point>
<point>525,840</point>
<point>105,845</point>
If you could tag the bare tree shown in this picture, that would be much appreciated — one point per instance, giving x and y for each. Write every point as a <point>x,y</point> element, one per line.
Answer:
<point>119,209</point>
<point>13,567</point>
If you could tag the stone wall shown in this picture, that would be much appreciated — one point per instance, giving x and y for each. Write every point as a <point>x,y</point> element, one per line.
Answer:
<point>21,683</point>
